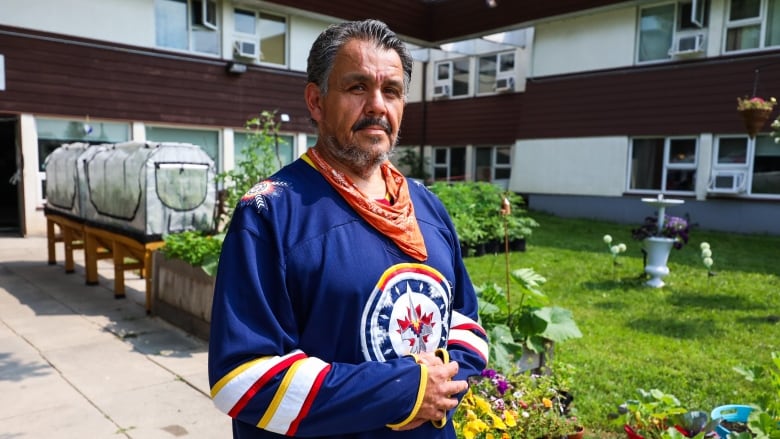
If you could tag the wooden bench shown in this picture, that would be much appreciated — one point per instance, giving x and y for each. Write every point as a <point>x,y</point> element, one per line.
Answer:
<point>67,231</point>
<point>126,253</point>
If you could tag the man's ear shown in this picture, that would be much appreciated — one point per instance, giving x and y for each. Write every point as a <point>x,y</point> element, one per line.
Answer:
<point>313,98</point>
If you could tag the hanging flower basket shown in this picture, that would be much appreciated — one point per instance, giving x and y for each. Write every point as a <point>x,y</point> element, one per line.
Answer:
<point>755,113</point>
<point>755,120</point>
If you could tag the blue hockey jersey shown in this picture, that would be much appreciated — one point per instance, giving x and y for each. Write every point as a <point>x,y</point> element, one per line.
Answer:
<point>317,316</point>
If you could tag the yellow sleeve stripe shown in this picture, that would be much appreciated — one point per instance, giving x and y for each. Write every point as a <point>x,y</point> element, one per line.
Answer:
<point>418,402</point>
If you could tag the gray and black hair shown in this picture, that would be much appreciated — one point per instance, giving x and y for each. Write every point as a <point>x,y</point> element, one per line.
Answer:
<point>331,40</point>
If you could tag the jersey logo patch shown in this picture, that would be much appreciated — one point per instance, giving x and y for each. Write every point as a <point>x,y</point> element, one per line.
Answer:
<point>407,313</point>
<point>261,192</point>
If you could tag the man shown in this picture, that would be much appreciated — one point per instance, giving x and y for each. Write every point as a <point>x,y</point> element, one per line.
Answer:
<point>342,307</point>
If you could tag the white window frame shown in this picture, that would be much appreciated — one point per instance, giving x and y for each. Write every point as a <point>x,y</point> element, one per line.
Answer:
<point>698,20</point>
<point>494,165</point>
<point>499,72</point>
<point>209,22</point>
<point>447,164</point>
<point>760,20</point>
<point>667,166</point>
<point>439,82</point>
<point>747,167</point>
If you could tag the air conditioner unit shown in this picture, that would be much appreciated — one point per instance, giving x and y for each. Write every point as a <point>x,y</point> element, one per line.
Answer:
<point>505,84</point>
<point>687,44</point>
<point>728,182</point>
<point>441,91</point>
<point>246,48</point>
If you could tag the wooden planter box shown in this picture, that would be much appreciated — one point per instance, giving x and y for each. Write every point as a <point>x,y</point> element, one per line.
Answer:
<point>182,294</point>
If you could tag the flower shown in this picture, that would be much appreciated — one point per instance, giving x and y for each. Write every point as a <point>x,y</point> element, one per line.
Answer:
<point>706,257</point>
<point>518,405</point>
<point>755,103</point>
<point>673,227</point>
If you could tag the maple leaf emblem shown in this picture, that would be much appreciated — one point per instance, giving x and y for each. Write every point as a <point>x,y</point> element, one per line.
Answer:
<point>416,327</point>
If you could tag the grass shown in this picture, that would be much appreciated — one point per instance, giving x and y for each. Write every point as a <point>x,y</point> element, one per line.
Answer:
<point>684,339</point>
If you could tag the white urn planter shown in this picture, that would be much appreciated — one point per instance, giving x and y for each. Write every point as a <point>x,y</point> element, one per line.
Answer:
<point>657,249</point>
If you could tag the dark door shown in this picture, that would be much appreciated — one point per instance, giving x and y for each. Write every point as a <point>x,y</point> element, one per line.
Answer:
<point>10,180</point>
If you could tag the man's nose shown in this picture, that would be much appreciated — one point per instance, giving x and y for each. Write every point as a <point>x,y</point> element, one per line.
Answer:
<point>375,103</point>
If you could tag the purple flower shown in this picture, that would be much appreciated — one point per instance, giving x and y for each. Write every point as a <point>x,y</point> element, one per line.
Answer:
<point>489,373</point>
<point>501,386</point>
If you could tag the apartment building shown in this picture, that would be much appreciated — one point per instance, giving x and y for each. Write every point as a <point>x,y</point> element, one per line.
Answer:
<point>584,107</point>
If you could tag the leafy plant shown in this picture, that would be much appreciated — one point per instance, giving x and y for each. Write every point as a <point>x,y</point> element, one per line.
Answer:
<point>194,248</point>
<point>764,419</point>
<point>651,415</point>
<point>521,319</point>
<point>475,211</point>
<point>258,161</point>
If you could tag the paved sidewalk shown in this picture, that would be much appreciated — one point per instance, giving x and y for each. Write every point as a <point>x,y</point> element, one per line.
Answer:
<point>77,363</point>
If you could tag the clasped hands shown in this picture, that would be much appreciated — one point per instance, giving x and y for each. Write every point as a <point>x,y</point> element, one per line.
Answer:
<point>439,390</point>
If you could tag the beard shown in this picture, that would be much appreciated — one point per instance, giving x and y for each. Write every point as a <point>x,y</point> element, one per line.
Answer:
<point>362,158</point>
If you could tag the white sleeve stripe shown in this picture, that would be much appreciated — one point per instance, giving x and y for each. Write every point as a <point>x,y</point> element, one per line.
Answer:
<point>460,319</point>
<point>470,339</point>
<point>293,393</point>
<point>235,389</point>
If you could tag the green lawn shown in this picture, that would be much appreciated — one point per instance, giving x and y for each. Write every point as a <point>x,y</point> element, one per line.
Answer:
<point>683,339</point>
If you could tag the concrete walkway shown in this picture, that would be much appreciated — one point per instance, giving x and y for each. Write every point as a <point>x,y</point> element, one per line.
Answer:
<point>77,363</point>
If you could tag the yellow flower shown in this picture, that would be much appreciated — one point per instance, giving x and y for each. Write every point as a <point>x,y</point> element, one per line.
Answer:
<point>510,418</point>
<point>547,402</point>
<point>482,405</point>
<point>497,422</point>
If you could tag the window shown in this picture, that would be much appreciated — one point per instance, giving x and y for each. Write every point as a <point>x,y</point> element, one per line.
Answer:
<point>52,133</point>
<point>191,25</point>
<point>449,164</point>
<point>267,30</point>
<point>753,164</point>
<point>663,165</point>
<point>671,29</point>
<point>283,145</point>
<point>748,20</point>
<point>495,72</point>
<point>493,164</point>
<point>205,139</point>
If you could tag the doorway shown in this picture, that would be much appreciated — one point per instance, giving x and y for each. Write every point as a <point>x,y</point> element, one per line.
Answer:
<point>10,177</point>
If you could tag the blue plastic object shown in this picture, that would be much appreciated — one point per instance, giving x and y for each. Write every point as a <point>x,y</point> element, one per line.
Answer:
<point>731,413</point>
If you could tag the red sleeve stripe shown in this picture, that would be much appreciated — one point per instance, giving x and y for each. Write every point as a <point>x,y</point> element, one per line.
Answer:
<point>315,389</point>
<point>231,391</point>
<point>460,321</point>
<point>265,378</point>
<point>291,395</point>
<point>470,341</point>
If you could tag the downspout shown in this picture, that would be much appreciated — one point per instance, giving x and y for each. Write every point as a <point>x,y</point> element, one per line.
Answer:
<point>423,137</point>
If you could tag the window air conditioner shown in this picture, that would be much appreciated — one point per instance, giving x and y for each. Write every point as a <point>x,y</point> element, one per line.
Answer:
<point>505,84</point>
<point>687,44</point>
<point>728,182</point>
<point>246,48</point>
<point>441,91</point>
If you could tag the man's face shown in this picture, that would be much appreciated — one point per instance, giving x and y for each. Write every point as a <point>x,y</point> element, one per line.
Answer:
<point>358,119</point>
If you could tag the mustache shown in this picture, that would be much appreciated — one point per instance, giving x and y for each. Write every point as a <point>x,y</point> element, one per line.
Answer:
<point>375,121</point>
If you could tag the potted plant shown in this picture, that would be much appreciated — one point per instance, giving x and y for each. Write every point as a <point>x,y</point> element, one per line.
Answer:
<point>515,405</point>
<point>658,242</point>
<point>659,415</point>
<point>755,111</point>
<point>521,324</point>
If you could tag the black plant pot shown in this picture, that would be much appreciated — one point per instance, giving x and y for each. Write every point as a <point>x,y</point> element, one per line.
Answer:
<point>517,245</point>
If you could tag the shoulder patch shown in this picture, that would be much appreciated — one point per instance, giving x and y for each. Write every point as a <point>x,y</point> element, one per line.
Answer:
<point>260,193</point>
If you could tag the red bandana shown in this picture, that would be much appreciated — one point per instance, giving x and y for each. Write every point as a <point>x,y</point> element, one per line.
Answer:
<point>396,221</point>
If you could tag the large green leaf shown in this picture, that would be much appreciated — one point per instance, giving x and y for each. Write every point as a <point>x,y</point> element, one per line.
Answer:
<point>560,324</point>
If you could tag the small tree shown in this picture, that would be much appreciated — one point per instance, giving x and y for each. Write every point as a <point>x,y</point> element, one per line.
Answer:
<point>258,161</point>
